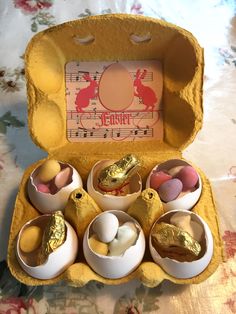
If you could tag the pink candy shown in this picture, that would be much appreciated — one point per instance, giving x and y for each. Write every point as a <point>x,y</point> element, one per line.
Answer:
<point>188,176</point>
<point>43,188</point>
<point>169,190</point>
<point>157,178</point>
<point>58,182</point>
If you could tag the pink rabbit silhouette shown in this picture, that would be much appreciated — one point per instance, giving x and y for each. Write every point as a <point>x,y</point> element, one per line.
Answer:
<point>85,94</point>
<point>144,92</point>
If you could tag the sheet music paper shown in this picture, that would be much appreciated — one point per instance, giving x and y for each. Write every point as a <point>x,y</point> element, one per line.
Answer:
<point>88,119</point>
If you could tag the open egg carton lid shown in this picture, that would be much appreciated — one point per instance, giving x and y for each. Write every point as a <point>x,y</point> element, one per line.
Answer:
<point>53,56</point>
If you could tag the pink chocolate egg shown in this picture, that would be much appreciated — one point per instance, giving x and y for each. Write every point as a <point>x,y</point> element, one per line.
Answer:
<point>188,176</point>
<point>169,190</point>
<point>43,188</point>
<point>157,178</point>
<point>63,177</point>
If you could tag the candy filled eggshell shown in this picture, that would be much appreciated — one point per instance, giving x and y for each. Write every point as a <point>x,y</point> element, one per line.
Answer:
<point>39,193</point>
<point>57,262</point>
<point>186,199</point>
<point>114,267</point>
<point>108,201</point>
<point>185,270</point>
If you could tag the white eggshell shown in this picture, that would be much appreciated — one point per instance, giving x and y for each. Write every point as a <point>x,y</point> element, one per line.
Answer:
<point>188,200</point>
<point>184,270</point>
<point>105,227</point>
<point>112,202</point>
<point>116,266</point>
<point>58,261</point>
<point>48,203</point>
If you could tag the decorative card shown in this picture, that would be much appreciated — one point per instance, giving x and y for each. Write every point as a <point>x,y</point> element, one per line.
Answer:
<point>114,101</point>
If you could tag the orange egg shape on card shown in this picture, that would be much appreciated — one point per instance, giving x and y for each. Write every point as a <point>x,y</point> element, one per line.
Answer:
<point>116,90</point>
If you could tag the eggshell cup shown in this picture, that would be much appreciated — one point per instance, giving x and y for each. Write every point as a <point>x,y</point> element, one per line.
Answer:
<point>184,270</point>
<point>107,201</point>
<point>187,201</point>
<point>48,203</point>
<point>58,261</point>
<point>114,267</point>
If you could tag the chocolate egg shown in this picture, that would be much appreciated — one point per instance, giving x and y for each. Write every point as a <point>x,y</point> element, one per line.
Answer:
<point>98,246</point>
<point>48,170</point>
<point>105,227</point>
<point>169,190</point>
<point>31,239</point>
<point>157,178</point>
<point>44,188</point>
<point>188,176</point>
<point>126,236</point>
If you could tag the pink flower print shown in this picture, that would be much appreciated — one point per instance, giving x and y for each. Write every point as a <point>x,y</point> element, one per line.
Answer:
<point>231,302</point>
<point>19,306</point>
<point>32,6</point>
<point>12,306</point>
<point>136,8</point>
<point>230,243</point>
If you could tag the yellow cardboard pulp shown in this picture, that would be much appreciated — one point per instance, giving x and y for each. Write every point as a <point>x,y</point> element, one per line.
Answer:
<point>112,39</point>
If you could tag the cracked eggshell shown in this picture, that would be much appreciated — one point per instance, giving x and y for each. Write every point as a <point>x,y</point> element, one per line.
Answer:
<point>114,267</point>
<point>112,202</point>
<point>58,261</point>
<point>184,270</point>
<point>48,203</point>
<point>188,200</point>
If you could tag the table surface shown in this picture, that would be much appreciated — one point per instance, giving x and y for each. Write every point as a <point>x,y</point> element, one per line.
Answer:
<point>214,150</point>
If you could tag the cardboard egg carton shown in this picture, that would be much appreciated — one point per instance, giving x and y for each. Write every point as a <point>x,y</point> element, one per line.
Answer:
<point>106,38</point>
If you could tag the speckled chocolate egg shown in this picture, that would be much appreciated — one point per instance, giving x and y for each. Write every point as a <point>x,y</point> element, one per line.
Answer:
<point>170,190</point>
<point>188,176</point>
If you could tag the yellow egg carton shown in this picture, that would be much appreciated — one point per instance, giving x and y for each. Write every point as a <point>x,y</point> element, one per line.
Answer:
<point>106,38</point>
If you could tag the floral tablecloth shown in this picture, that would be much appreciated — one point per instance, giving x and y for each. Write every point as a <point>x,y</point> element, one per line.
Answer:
<point>214,150</point>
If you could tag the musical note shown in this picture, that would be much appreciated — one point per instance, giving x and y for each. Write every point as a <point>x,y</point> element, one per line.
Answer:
<point>108,133</point>
<point>78,76</point>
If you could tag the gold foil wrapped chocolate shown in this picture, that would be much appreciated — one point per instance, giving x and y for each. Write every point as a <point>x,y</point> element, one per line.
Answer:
<point>173,242</point>
<point>54,236</point>
<point>117,174</point>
